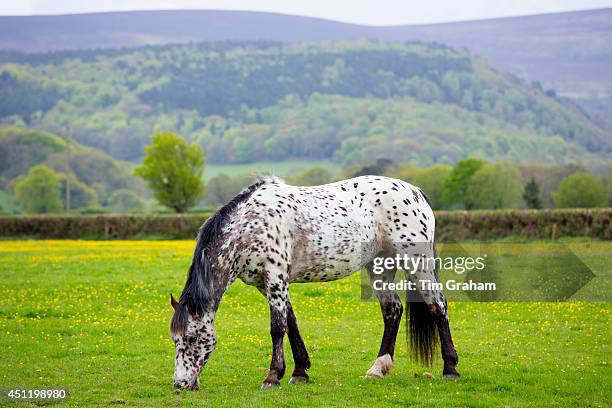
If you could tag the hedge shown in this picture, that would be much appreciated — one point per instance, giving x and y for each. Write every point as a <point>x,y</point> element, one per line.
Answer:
<point>451,225</point>
<point>488,225</point>
<point>102,226</point>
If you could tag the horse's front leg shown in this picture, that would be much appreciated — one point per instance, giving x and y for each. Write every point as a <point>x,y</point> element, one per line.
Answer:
<point>277,294</point>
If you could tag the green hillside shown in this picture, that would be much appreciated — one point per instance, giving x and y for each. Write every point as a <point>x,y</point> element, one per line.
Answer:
<point>253,101</point>
<point>22,148</point>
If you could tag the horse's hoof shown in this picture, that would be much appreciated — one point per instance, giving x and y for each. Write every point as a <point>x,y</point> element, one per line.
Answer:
<point>298,380</point>
<point>375,373</point>
<point>371,376</point>
<point>453,376</point>
<point>268,385</point>
<point>381,368</point>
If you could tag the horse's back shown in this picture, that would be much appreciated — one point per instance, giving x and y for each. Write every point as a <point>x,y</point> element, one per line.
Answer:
<point>327,232</point>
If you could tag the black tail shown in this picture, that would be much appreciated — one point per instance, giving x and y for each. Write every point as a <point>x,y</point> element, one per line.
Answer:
<point>420,323</point>
<point>422,329</point>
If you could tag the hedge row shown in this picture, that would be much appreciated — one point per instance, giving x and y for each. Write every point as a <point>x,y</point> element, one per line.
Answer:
<point>488,225</point>
<point>451,225</point>
<point>105,226</point>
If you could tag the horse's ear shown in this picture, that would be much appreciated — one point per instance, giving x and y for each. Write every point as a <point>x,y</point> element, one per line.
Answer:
<point>173,302</point>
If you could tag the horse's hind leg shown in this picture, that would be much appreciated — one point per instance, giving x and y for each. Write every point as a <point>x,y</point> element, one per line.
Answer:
<point>449,354</point>
<point>298,348</point>
<point>391,308</point>
<point>428,307</point>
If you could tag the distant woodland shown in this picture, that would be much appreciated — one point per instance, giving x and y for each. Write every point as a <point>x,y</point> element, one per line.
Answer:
<point>412,104</point>
<point>244,102</point>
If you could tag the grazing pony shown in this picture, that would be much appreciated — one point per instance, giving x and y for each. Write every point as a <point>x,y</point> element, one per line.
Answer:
<point>273,234</point>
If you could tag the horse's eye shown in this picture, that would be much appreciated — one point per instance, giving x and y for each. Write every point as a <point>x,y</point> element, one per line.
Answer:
<point>192,340</point>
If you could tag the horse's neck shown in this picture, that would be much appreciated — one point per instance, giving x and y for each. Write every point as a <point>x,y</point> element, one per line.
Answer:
<point>221,283</point>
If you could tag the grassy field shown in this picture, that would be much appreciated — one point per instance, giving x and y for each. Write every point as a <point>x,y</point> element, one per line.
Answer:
<point>276,168</point>
<point>92,317</point>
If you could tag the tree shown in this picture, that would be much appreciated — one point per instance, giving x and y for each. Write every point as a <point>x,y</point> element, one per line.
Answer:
<point>609,184</point>
<point>548,178</point>
<point>404,171</point>
<point>98,171</point>
<point>126,201</point>
<point>531,194</point>
<point>222,188</point>
<point>376,168</point>
<point>314,176</point>
<point>20,149</point>
<point>173,170</point>
<point>431,181</point>
<point>81,195</point>
<point>457,182</point>
<point>218,190</point>
<point>581,190</point>
<point>39,191</point>
<point>494,186</point>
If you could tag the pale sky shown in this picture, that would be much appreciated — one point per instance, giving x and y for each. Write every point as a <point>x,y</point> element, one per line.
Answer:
<point>370,12</point>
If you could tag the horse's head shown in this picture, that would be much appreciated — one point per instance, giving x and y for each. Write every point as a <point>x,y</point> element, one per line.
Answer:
<point>195,340</point>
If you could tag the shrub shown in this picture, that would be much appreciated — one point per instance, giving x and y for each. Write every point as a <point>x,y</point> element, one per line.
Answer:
<point>39,191</point>
<point>173,170</point>
<point>313,176</point>
<point>431,181</point>
<point>531,194</point>
<point>488,225</point>
<point>494,186</point>
<point>581,190</point>
<point>93,210</point>
<point>450,225</point>
<point>102,226</point>
<point>457,182</point>
<point>81,195</point>
<point>125,201</point>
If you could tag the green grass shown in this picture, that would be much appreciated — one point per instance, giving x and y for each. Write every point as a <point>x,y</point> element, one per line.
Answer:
<point>92,316</point>
<point>280,169</point>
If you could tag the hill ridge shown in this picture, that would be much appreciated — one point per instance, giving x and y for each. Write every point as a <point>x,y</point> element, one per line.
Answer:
<point>247,101</point>
<point>566,51</point>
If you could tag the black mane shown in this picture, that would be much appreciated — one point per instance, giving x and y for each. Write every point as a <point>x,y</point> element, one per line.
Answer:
<point>198,291</point>
<point>426,198</point>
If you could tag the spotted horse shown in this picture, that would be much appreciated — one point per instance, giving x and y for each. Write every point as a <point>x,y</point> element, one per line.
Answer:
<point>273,234</point>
